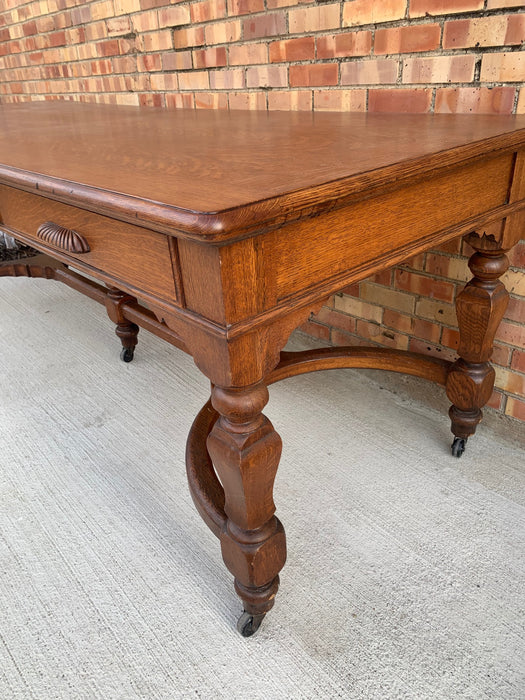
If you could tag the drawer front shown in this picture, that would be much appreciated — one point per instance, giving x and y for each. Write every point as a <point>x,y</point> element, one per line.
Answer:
<point>117,252</point>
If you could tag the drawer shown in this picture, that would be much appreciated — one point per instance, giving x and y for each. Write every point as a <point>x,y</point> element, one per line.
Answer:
<point>130,257</point>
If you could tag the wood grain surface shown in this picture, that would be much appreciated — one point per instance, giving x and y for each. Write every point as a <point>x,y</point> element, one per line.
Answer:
<point>212,173</point>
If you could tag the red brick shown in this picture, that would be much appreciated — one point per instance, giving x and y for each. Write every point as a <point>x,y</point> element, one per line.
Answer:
<point>478,100</point>
<point>152,100</point>
<point>401,322</point>
<point>118,25</point>
<point>340,100</point>
<point>517,255</point>
<point>174,16</point>
<point>316,330</point>
<point>496,400</point>
<point>516,310</point>
<point>500,30</point>
<point>157,41</point>
<point>520,108</point>
<point>269,24</point>
<point>371,72</point>
<point>149,62</point>
<point>335,319</point>
<point>30,28</point>
<point>274,4</point>
<point>383,277</point>
<point>511,333</point>
<point>194,80</point>
<point>122,7</point>
<point>57,39</point>
<point>360,12</point>
<point>399,100</point>
<point>382,335</point>
<point>426,330</point>
<point>440,69</point>
<point>341,45</point>
<point>150,4</point>
<point>246,54</point>
<point>425,286</point>
<point>177,60</point>
<point>223,32</point>
<point>247,100</point>
<point>179,101</point>
<point>209,58</point>
<point>185,38</point>
<point>511,382</point>
<point>493,4</point>
<point>79,15</point>
<point>444,266</point>
<point>418,345</point>
<point>314,74</point>
<point>290,100</point>
<point>342,339</point>
<point>227,80</point>
<point>503,67</point>
<point>314,19</point>
<point>351,306</point>
<point>415,263</point>
<point>245,7</point>
<point>103,67</point>
<point>422,37</point>
<point>301,49</point>
<point>145,21</point>
<point>501,355</point>
<point>108,48</point>
<point>450,338</point>
<point>95,31</point>
<point>207,10</point>
<point>518,360</point>
<point>164,81</point>
<point>211,100</point>
<point>46,24</point>
<point>420,8</point>
<point>266,76</point>
<point>515,408</point>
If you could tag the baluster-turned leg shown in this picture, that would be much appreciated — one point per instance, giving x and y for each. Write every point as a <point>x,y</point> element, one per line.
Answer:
<point>480,307</point>
<point>245,450</point>
<point>125,330</point>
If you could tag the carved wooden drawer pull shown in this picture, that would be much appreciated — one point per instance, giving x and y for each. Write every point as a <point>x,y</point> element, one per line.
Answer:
<point>63,238</point>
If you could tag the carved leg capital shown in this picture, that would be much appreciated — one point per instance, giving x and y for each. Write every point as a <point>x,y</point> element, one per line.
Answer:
<point>245,450</point>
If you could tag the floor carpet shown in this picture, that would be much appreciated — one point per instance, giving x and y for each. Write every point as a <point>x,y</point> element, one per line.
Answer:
<point>405,576</point>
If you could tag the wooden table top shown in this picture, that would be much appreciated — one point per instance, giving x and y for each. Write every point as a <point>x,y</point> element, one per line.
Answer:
<point>209,173</point>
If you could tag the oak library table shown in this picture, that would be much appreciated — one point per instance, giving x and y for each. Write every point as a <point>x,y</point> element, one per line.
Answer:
<point>222,231</point>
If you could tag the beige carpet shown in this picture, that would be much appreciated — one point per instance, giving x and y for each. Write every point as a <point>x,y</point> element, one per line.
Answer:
<point>405,576</point>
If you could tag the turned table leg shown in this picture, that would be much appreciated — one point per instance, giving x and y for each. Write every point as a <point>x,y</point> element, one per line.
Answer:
<point>125,330</point>
<point>480,308</point>
<point>245,450</point>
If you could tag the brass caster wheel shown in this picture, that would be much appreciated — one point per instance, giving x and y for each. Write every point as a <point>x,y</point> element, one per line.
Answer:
<point>249,623</point>
<point>458,446</point>
<point>126,354</point>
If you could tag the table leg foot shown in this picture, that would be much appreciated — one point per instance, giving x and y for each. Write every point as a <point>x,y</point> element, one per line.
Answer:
<point>458,446</point>
<point>128,334</point>
<point>248,623</point>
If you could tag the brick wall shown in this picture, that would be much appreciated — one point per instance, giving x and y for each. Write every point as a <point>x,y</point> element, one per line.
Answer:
<point>376,55</point>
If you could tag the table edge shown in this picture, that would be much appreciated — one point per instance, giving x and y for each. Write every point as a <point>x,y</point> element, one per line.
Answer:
<point>242,221</point>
